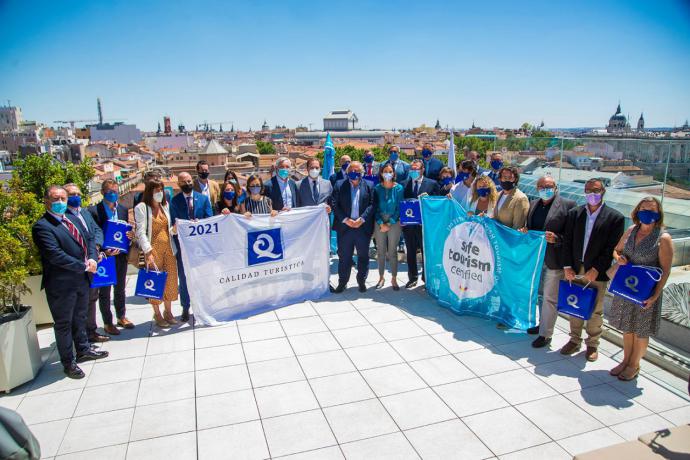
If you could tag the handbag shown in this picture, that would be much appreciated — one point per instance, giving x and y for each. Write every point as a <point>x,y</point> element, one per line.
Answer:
<point>576,300</point>
<point>136,256</point>
<point>151,283</point>
<point>115,235</point>
<point>611,272</point>
<point>410,213</point>
<point>635,283</point>
<point>106,273</point>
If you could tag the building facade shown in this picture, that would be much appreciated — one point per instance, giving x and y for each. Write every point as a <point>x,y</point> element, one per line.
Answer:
<point>340,120</point>
<point>10,118</point>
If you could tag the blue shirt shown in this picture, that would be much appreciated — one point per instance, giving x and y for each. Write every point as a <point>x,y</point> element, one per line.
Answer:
<point>388,203</point>
<point>354,195</point>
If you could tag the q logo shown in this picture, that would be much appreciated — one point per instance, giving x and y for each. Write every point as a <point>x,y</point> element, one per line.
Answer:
<point>631,283</point>
<point>101,272</point>
<point>149,285</point>
<point>117,236</point>
<point>571,300</point>
<point>264,246</point>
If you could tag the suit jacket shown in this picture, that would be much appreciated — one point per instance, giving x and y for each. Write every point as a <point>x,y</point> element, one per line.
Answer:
<point>427,186</point>
<point>432,168</point>
<point>62,257</point>
<point>179,209</point>
<point>556,219</point>
<point>92,227</point>
<point>375,165</point>
<point>337,176</point>
<point>342,205</point>
<point>304,192</point>
<point>213,190</point>
<point>607,230</point>
<point>514,209</point>
<point>272,190</point>
<point>402,169</point>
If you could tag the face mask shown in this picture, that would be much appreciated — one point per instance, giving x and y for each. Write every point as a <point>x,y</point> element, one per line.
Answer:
<point>496,164</point>
<point>447,180</point>
<point>593,198</point>
<point>284,173</point>
<point>203,175</point>
<point>546,193</point>
<point>111,196</point>
<point>426,153</point>
<point>414,174</point>
<point>345,166</point>
<point>394,156</point>
<point>74,201</point>
<point>229,195</point>
<point>507,185</point>
<point>387,177</point>
<point>462,177</point>
<point>483,191</point>
<point>368,159</point>
<point>58,207</point>
<point>187,188</point>
<point>648,217</point>
<point>314,173</point>
<point>354,175</point>
<point>158,197</point>
<point>255,189</point>
<point>232,181</point>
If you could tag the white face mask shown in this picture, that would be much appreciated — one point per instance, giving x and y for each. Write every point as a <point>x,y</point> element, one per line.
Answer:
<point>158,197</point>
<point>314,173</point>
<point>387,176</point>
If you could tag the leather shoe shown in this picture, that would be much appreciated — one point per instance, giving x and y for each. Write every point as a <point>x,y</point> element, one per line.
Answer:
<point>98,338</point>
<point>91,355</point>
<point>124,322</point>
<point>111,330</point>
<point>73,371</point>
<point>591,354</point>
<point>184,317</point>
<point>340,288</point>
<point>410,284</point>
<point>362,287</point>
<point>533,330</point>
<point>570,348</point>
<point>541,341</point>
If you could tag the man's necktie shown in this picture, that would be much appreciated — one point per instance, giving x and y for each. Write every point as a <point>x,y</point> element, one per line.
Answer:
<point>314,192</point>
<point>416,189</point>
<point>76,235</point>
<point>190,207</point>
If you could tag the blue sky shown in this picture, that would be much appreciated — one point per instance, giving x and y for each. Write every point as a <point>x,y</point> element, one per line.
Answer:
<point>396,64</point>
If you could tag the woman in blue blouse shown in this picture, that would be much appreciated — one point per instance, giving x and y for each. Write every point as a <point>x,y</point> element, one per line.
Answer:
<point>387,195</point>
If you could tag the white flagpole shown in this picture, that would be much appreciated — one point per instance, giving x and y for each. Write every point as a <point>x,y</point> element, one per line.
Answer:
<point>451,154</point>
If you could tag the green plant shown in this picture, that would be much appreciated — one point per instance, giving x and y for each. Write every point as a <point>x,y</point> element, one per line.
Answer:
<point>265,148</point>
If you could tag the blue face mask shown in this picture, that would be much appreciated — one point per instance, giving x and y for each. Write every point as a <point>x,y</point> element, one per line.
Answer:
<point>229,195</point>
<point>345,166</point>
<point>496,164</point>
<point>283,173</point>
<point>483,191</point>
<point>462,177</point>
<point>368,159</point>
<point>111,196</point>
<point>546,193</point>
<point>414,174</point>
<point>74,201</point>
<point>648,217</point>
<point>354,175</point>
<point>58,207</point>
<point>254,189</point>
<point>426,153</point>
<point>394,156</point>
<point>447,180</point>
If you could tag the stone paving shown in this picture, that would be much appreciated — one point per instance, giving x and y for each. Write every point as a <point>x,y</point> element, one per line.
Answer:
<point>383,374</point>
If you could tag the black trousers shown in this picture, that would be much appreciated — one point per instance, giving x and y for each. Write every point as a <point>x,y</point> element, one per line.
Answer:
<point>413,241</point>
<point>68,303</point>
<point>102,295</point>
<point>348,240</point>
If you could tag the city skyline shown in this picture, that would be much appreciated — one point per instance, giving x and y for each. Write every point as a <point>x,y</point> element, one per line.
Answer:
<point>395,64</point>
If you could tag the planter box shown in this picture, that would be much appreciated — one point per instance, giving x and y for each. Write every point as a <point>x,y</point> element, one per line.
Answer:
<point>37,300</point>
<point>20,355</point>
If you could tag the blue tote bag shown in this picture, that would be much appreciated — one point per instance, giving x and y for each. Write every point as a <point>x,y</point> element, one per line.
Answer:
<point>115,235</point>
<point>635,283</point>
<point>151,283</point>
<point>576,300</point>
<point>106,274</point>
<point>410,213</point>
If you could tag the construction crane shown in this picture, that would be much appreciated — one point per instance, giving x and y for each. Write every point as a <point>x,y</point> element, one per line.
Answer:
<point>208,125</point>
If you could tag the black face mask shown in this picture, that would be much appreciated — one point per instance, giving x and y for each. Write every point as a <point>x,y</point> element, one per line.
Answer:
<point>507,185</point>
<point>187,188</point>
<point>203,175</point>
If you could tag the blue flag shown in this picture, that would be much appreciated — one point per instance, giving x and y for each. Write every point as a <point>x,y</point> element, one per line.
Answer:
<point>328,158</point>
<point>475,265</point>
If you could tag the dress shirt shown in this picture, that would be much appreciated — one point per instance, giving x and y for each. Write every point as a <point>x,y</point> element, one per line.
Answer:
<point>589,225</point>
<point>204,188</point>
<point>354,194</point>
<point>285,192</point>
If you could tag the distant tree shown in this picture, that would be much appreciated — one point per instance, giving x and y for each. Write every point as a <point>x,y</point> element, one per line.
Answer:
<point>265,148</point>
<point>35,173</point>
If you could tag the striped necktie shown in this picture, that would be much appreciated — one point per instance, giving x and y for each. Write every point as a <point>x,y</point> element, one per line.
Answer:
<point>75,234</point>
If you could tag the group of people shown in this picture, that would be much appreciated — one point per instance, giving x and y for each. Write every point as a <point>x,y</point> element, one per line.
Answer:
<point>365,199</point>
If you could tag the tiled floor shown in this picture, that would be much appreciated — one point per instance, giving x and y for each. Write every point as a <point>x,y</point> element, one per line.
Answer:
<point>381,375</point>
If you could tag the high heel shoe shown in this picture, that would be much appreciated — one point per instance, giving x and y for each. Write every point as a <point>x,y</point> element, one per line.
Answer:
<point>160,322</point>
<point>170,318</point>
<point>380,284</point>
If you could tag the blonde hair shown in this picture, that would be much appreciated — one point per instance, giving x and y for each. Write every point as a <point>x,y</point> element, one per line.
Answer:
<point>648,199</point>
<point>493,194</point>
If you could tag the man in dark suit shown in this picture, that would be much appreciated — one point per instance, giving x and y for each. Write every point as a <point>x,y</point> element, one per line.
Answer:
<point>353,210</point>
<point>432,166</point>
<point>401,167</point>
<point>110,209</point>
<point>281,189</point>
<point>371,168</point>
<point>591,234</point>
<point>415,186</point>
<point>188,205</point>
<point>340,174</point>
<point>68,255</point>
<point>549,214</point>
<point>314,189</point>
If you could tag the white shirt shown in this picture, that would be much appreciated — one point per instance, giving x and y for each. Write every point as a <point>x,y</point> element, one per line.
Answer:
<point>472,207</point>
<point>460,192</point>
<point>77,212</point>
<point>285,192</point>
<point>354,193</point>
<point>501,200</point>
<point>589,225</point>
<point>204,189</point>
